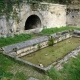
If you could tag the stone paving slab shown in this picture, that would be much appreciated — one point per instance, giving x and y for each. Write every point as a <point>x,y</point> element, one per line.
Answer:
<point>31,78</point>
<point>76,32</point>
<point>28,43</point>
<point>24,44</point>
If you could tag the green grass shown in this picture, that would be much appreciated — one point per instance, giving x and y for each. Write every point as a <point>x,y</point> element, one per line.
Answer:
<point>15,39</point>
<point>55,30</point>
<point>71,70</point>
<point>24,37</point>
<point>12,70</point>
<point>54,74</point>
<point>5,66</point>
<point>52,53</point>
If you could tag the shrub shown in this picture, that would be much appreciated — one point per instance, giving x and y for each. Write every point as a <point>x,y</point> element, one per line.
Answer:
<point>51,42</point>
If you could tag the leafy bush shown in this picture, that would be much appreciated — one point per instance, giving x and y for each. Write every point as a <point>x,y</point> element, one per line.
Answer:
<point>51,42</point>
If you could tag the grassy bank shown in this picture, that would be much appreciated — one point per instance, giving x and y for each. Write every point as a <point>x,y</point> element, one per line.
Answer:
<point>12,70</point>
<point>15,39</point>
<point>71,70</point>
<point>55,30</point>
<point>24,37</point>
<point>5,69</point>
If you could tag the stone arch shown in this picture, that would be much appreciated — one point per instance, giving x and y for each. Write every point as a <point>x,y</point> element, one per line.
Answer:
<point>32,22</point>
<point>26,16</point>
<point>22,28</point>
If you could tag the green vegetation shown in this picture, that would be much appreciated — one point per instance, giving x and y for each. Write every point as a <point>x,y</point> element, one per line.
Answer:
<point>70,71</point>
<point>5,65</point>
<point>39,46</point>
<point>55,30</point>
<point>15,39</point>
<point>55,75</point>
<point>12,70</point>
<point>52,53</point>
<point>51,41</point>
<point>57,1</point>
<point>24,37</point>
<point>6,8</point>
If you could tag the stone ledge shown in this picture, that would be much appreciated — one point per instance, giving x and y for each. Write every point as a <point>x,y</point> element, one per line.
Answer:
<point>24,44</point>
<point>31,78</point>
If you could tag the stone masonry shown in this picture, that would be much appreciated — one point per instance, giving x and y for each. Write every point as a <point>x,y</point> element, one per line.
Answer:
<point>73,15</point>
<point>33,18</point>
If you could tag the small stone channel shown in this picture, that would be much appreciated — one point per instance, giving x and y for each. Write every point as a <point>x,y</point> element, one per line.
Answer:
<point>18,50</point>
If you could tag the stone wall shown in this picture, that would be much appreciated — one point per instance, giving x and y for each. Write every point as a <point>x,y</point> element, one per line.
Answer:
<point>54,16</point>
<point>73,15</point>
<point>3,26</point>
<point>33,18</point>
<point>26,47</point>
<point>31,49</point>
<point>39,16</point>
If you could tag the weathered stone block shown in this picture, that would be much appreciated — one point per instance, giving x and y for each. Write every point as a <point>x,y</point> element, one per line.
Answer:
<point>31,78</point>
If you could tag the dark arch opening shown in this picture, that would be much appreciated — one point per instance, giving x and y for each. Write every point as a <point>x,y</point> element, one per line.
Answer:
<point>32,22</point>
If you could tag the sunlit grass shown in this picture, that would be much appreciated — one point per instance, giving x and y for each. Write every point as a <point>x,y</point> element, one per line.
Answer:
<point>55,30</point>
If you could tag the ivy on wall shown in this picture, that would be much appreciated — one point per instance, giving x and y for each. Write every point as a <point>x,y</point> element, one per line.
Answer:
<point>58,1</point>
<point>6,8</point>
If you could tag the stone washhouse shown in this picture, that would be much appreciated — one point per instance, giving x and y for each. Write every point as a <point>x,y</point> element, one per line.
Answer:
<point>33,18</point>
